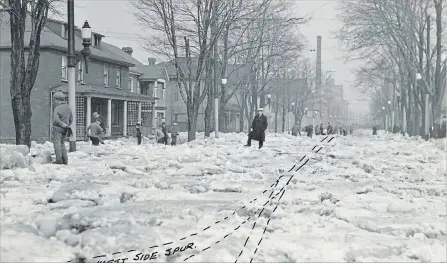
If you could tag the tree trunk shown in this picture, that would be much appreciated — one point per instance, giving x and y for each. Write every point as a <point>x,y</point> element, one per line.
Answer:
<point>276,121</point>
<point>241,119</point>
<point>21,110</point>
<point>192,122</point>
<point>283,118</point>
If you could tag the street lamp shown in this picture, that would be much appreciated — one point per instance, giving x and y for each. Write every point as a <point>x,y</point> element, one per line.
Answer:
<point>73,59</point>
<point>293,104</point>
<point>216,109</point>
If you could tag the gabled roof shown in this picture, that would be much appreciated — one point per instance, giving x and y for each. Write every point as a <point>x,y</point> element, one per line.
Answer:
<point>53,40</point>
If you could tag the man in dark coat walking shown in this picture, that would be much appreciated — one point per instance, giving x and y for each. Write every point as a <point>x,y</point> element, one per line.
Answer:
<point>258,127</point>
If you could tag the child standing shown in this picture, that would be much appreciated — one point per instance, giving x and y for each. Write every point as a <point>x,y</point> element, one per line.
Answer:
<point>138,127</point>
<point>95,132</point>
<point>174,134</point>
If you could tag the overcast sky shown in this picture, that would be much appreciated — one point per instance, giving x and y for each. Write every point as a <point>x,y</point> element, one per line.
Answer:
<point>114,19</point>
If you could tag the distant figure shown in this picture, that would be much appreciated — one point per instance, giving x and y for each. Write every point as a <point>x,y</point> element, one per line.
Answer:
<point>258,127</point>
<point>309,130</point>
<point>138,128</point>
<point>164,129</point>
<point>94,132</point>
<point>396,129</point>
<point>329,128</point>
<point>62,119</point>
<point>159,135</point>
<point>317,130</point>
<point>374,130</point>
<point>351,130</point>
<point>296,130</point>
<point>442,130</point>
<point>174,134</point>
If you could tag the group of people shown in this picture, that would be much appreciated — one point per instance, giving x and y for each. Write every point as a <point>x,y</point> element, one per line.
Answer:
<point>162,135</point>
<point>330,130</point>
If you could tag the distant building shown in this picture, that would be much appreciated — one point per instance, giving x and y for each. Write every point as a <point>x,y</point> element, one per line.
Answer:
<point>117,86</point>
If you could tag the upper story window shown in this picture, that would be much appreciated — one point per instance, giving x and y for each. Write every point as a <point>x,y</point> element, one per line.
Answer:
<point>64,74</point>
<point>130,83</point>
<point>106,75</point>
<point>81,72</point>
<point>118,77</point>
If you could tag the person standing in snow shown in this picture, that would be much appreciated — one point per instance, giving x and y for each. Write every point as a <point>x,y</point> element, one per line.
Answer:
<point>62,119</point>
<point>138,128</point>
<point>322,129</point>
<point>309,130</point>
<point>174,134</point>
<point>159,135</point>
<point>329,128</point>
<point>258,127</point>
<point>296,130</point>
<point>164,129</point>
<point>374,130</point>
<point>95,131</point>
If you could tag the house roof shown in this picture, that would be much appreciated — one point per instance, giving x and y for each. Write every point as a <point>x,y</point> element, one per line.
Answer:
<point>152,72</point>
<point>53,40</point>
<point>113,93</point>
<point>137,63</point>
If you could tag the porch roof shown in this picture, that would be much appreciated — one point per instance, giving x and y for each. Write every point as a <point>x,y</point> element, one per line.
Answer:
<point>102,92</point>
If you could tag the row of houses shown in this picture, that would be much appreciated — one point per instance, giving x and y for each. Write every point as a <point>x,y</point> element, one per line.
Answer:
<point>117,86</point>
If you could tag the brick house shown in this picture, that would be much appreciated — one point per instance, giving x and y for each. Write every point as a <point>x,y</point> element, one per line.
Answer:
<point>115,85</point>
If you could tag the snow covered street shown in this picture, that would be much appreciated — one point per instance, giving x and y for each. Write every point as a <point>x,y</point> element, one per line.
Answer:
<point>359,198</point>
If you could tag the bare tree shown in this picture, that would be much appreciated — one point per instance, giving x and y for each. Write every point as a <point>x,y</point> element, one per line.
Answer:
<point>190,20</point>
<point>25,15</point>
<point>392,35</point>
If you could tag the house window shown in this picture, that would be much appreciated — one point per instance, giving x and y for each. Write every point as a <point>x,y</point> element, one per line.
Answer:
<point>106,75</point>
<point>115,114</point>
<point>80,72</point>
<point>64,68</point>
<point>118,77</point>
<point>130,84</point>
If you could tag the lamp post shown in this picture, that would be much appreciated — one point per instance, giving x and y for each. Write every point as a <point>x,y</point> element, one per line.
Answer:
<point>73,60</point>
<point>290,131</point>
<point>386,118</point>
<point>269,100</point>
<point>216,109</point>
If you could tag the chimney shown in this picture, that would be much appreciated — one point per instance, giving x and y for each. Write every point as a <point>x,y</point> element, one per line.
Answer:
<point>128,50</point>
<point>151,60</point>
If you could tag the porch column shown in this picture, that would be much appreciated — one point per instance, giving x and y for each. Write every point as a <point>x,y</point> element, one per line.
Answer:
<point>89,111</point>
<point>154,125</point>
<point>125,119</point>
<point>109,117</point>
<point>139,111</point>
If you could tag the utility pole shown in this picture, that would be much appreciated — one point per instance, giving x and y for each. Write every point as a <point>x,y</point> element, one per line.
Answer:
<point>215,84</point>
<point>73,60</point>
<point>318,71</point>
<point>71,73</point>
<point>428,78</point>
